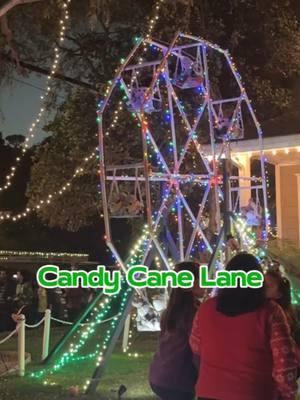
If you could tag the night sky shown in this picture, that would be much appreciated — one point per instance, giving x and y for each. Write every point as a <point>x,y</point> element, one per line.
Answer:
<point>20,104</point>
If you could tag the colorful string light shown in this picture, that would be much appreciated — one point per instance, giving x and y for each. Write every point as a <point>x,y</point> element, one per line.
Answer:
<point>86,332</point>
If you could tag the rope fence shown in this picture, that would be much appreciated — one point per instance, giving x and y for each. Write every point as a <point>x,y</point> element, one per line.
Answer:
<point>60,321</point>
<point>11,334</point>
<point>46,320</point>
<point>35,325</point>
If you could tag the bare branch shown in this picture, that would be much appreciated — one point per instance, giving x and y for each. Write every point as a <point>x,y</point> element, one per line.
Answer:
<point>46,72</point>
<point>4,28</point>
<point>12,4</point>
<point>9,39</point>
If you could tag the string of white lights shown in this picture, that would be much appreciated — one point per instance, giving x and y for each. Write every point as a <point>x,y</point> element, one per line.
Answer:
<point>34,125</point>
<point>7,216</point>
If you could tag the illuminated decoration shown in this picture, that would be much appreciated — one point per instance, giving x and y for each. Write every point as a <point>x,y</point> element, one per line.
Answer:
<point>148,313</point>
<point>154,18</point>
<point>103,306</point>
<point>169,175</point>
<point>89,330</point>
<point>189,73</point>
<point>33,127</point>
<point>295,293</point>
<point>122,202</point>
<point>248,238</point>
<point>175,230</point>
<point>136,100</point>
<point>39,254</point>
<point>147,318</point>
<point>8,216</point>
<point>130,335</point>
<point>273,146</point>
<point>225,130</point>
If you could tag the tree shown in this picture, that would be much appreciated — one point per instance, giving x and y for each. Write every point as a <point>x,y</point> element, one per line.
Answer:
<point>14,198</point>
<point>262,36</point>
<point>101,33</point>
<point>73,136</point>
<point>99,30</point>
<point>32,233</point>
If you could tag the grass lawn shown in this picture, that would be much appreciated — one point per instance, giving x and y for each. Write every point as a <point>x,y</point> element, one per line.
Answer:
<point>121,369</point>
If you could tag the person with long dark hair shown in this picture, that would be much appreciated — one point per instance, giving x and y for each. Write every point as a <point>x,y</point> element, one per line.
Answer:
<point>243,340</point>
<point>173,372</point>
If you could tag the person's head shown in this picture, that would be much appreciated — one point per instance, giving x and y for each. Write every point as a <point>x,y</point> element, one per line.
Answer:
<point>181,305</point>
<point>23,276</point>
<point>278,288</point>
<point>239,300</point>
<point>20,276</point>
<point>274,266</point>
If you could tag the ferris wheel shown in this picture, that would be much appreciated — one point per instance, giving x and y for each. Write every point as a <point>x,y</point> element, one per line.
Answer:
<point>186,104</point>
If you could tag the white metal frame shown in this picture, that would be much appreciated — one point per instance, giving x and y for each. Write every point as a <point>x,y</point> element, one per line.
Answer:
<point>171,176</point>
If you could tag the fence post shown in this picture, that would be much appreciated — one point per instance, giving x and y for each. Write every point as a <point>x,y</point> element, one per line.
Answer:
<point>126,333</point>
<point>21,344</point>
<point>46,334</point>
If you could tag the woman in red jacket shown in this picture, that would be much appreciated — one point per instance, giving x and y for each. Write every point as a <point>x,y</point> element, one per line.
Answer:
<point>243,340</point>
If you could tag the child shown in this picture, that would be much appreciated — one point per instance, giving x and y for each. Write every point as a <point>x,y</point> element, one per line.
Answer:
<point>278,288</point>
<point>173,373</point>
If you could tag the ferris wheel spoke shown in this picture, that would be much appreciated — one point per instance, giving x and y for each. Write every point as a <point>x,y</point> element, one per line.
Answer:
<point>191,135</point>
<point>194,220</point>
<point>195,229</point>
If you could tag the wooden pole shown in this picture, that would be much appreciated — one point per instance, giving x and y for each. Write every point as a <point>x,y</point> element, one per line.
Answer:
<point>91,389</point>
<point>73,328</point>
<point>21,344</point>
<point>46,334</point>
<point>126,333</point>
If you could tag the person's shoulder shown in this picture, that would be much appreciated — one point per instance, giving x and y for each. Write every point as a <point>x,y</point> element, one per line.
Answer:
<point>272,308</point>
<point>209,302</point>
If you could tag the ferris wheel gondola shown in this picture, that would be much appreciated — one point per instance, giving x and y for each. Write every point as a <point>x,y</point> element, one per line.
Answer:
<point>188,73</point>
